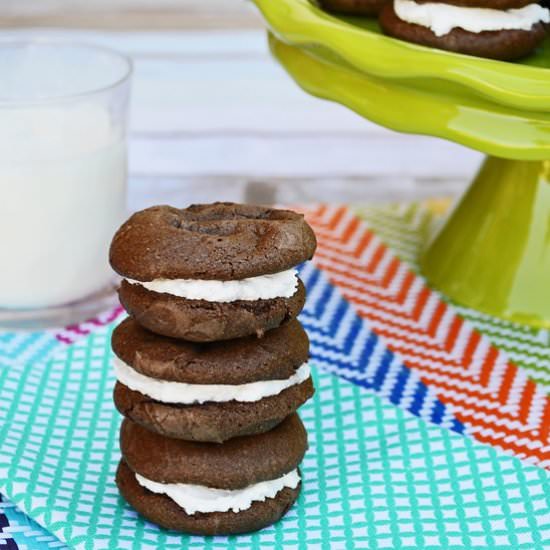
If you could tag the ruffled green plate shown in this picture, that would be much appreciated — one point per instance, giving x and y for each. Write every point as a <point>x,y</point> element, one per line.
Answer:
<point>360,43</point>
<point>442,110</point>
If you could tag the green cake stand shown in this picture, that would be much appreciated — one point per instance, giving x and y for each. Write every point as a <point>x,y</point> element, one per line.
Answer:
<point>492,253</point>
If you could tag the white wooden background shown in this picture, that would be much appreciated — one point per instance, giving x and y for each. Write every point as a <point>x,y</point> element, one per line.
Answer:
<point>129,14</point>
<point>214,117</point>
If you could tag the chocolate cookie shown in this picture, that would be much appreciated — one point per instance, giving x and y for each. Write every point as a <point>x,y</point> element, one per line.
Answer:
<point>353,7</point>
<point>234,464</point>
<point>489,4</point>
<point>502,45</point>
<point>214,422</point>
<point>275,356</point>
<point>204,321</point>
<point>220,241</point>
<point>213,391</point>
<point>163,511</point>
<point>210,489</point>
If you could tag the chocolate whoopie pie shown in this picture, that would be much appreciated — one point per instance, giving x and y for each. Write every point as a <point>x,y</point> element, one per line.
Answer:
<point>353,7</point>
<point>212,489</point>
<point>212,272</point>
<point>506,44</point>
<point>210,391</point>
<point>489,4</point>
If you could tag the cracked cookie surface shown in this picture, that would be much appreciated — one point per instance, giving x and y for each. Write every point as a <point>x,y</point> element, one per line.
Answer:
<point>220,241</point>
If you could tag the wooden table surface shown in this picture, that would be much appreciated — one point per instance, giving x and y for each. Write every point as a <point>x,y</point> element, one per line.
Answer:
<point>214,117</point>
<point>129,14</point>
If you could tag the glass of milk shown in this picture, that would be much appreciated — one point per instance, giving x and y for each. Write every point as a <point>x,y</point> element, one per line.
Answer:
<point>63,112</point>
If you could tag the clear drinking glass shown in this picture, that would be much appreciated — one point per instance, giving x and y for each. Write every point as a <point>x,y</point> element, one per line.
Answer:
<point>63,118</point>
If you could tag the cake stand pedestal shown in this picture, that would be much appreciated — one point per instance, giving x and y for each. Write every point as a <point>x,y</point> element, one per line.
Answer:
<point>492,253</point>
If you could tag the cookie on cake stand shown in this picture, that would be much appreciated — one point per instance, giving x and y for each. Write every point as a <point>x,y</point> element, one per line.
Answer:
<point>491,253</point>
<point>353,7</point>
<point>495,29</point>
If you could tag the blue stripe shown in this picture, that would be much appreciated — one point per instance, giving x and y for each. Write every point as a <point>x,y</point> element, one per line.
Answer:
<point>437,412</point>
<point>354,330</point>
<point>418,401</point>
<point>397,392</point>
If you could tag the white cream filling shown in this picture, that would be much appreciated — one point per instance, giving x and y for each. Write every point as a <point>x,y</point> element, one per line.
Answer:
<point>198,498</point>
<point>182,393</point>
<point>263,287</point>
<point>442,18</point>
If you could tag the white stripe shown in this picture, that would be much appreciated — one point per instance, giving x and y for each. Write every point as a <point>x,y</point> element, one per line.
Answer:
<point>182,393</point>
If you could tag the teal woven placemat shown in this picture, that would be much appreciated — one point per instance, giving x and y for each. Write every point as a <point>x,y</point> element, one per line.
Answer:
<point>374,476</point>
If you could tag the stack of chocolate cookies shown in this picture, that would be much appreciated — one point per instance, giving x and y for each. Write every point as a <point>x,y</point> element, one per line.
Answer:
<point>211,364</point>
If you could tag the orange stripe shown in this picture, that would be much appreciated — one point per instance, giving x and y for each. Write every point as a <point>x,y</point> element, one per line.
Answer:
<point>470,349</point>
<point>363,244</point>
<point>545,422</point>
<point>373,294</point>
<point>408,281</point>
<point>526,400</point>
<point>487,367</point>
<point>390,273</point>
<point>376,257</point>
<point>338,215</point>
<point>423,296</point>
<point>350,230</point>
<point>338,247</point>
<point>454,331</point>
<point>511,446</point>
<point>309,212</point>
<point>418,362</point>
<point>506,383</point>
<point>436,318</point>
<point>337,251</point>
<point>472,410</point>
<point>347,272</point>
<point>430,374</point>
<point>365,302</point>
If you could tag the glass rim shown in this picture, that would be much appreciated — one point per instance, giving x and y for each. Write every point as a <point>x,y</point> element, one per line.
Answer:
<point>127,72</point>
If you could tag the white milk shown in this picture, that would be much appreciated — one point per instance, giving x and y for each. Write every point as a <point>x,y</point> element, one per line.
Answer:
<point>62,196</point>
